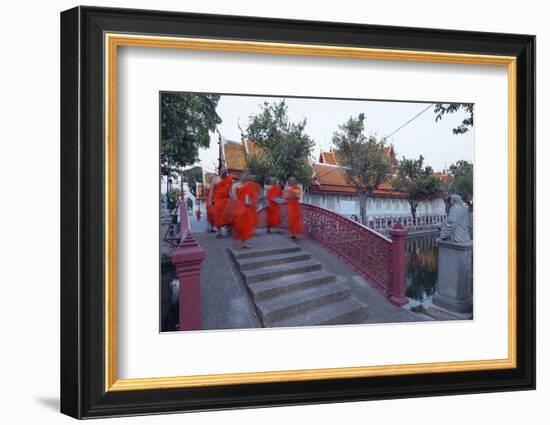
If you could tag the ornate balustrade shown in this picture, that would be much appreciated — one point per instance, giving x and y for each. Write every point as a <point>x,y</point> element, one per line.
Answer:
<point>383,224</point>
<point>379,259</point>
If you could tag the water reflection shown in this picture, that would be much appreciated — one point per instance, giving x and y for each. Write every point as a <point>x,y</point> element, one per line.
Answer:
<point>421,267</point>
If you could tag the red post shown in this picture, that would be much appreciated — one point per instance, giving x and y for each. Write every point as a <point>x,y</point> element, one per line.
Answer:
<point>398,234</point>
<point>184,219</point>
<point>187,259</point>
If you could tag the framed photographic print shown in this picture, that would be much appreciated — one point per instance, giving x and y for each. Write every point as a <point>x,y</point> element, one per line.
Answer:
<point>261,212</point>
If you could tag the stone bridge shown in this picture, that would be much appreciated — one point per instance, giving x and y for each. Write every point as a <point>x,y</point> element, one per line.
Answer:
<point>340,272</point>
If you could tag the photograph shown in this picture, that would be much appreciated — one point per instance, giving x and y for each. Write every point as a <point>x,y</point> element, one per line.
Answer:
<point>285,211</point>
<point>262,211</point>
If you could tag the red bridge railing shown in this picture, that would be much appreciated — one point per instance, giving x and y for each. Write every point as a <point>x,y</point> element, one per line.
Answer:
<point>379,259</point>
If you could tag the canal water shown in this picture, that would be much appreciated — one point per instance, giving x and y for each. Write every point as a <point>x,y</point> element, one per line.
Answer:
<point>421,267</point>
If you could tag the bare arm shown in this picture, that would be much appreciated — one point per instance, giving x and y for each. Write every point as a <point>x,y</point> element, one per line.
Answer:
<point>233,191</point>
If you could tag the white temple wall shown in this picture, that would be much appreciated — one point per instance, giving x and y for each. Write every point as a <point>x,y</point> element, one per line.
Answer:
<point>348,205</point>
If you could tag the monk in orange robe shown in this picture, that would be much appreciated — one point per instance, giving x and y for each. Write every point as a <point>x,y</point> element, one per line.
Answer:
<point>232,206</point>
<point>219,196</point>
<point>292,193</point>
<point>245,215</point>
<point>273,210</point>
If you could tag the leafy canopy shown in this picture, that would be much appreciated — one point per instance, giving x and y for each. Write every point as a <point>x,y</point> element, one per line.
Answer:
<point>186,120</point>
<point>285,147</point>
<point>461,180</point>
<point>450,108</point>
<point>192,176</point>
<point>365,160</point>
<point>417,180</point>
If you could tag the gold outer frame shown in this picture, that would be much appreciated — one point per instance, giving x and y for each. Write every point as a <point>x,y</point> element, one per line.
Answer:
<point>113,41</point>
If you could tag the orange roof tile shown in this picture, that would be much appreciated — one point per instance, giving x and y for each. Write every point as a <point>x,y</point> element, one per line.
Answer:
<point>332,178</point>
<point>253,148</point>
<point>337,157</point>
<point>234,156</point>
<point>326,174</point>
<point>441,176</point>
<point>387,192</point>
<point>327,158</point>
<point>333,156</point>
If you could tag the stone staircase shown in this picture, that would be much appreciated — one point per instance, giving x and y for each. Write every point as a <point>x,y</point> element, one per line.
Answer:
<point>289,288</point>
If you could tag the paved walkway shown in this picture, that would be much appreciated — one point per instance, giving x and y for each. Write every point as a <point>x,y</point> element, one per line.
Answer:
<point>227,305</point>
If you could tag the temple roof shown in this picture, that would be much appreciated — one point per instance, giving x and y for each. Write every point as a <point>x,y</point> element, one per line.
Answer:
<point>328,175</point>
<point>332,156</point>
<point>441,176</point>
<point>235,154</point>
<point>332,178</point>
<point>328,157</point>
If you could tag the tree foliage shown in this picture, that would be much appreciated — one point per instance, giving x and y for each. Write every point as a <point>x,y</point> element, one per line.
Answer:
<point>417,180</point>
<point>192,176</point>
<point>364,159</point>
<point>174,196</point>
<point>186,120</point>
<point>285,147</point>
<point>461,180</point>
<point>262,166</point>
<point>442,109</point>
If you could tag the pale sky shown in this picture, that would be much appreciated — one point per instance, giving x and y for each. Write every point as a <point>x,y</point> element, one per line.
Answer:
<point>422,136</point>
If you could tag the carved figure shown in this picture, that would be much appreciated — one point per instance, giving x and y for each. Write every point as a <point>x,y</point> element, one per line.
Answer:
<point>456,227</point>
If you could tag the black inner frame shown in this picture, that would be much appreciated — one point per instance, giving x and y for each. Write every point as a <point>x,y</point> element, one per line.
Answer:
<point>82,212</point>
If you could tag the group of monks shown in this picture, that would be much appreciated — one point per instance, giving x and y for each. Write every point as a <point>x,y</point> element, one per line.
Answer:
<point>233,204</point>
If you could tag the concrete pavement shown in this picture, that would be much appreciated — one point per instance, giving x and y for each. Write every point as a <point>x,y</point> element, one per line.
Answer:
<point>227,305</point>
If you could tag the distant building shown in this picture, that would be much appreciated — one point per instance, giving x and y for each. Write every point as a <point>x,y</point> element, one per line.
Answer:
<point>330,188</point>
<point>236,154</point>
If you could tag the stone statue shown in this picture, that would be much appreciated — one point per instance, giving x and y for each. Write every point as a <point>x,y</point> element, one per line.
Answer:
<point>453,290</point>
<point>456,227</point>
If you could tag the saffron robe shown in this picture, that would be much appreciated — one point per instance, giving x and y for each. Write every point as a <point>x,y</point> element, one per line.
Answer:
<point>245,217</point>
<point>294,209</point>
<point>220,198</point>
<point>231,208</point>
<point>273,210</point>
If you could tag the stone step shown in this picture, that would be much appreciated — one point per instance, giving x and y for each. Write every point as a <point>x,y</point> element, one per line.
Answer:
<point>274,287</point>
<point>296,302</point>
<point>344,312</point>
<point>272,272</point>
<point>271,260</point>
<point>241,253</point>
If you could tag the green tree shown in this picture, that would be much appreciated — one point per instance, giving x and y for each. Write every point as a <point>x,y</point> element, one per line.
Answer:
<point>186,120</point>
<point>285,147</point>
<point>461,181</point>
<point>441,109</point>
<point>262,166</point>
<point>417,180</point>
<point>192,176</point>
<point>174,196</point>
<point>364,159</point>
